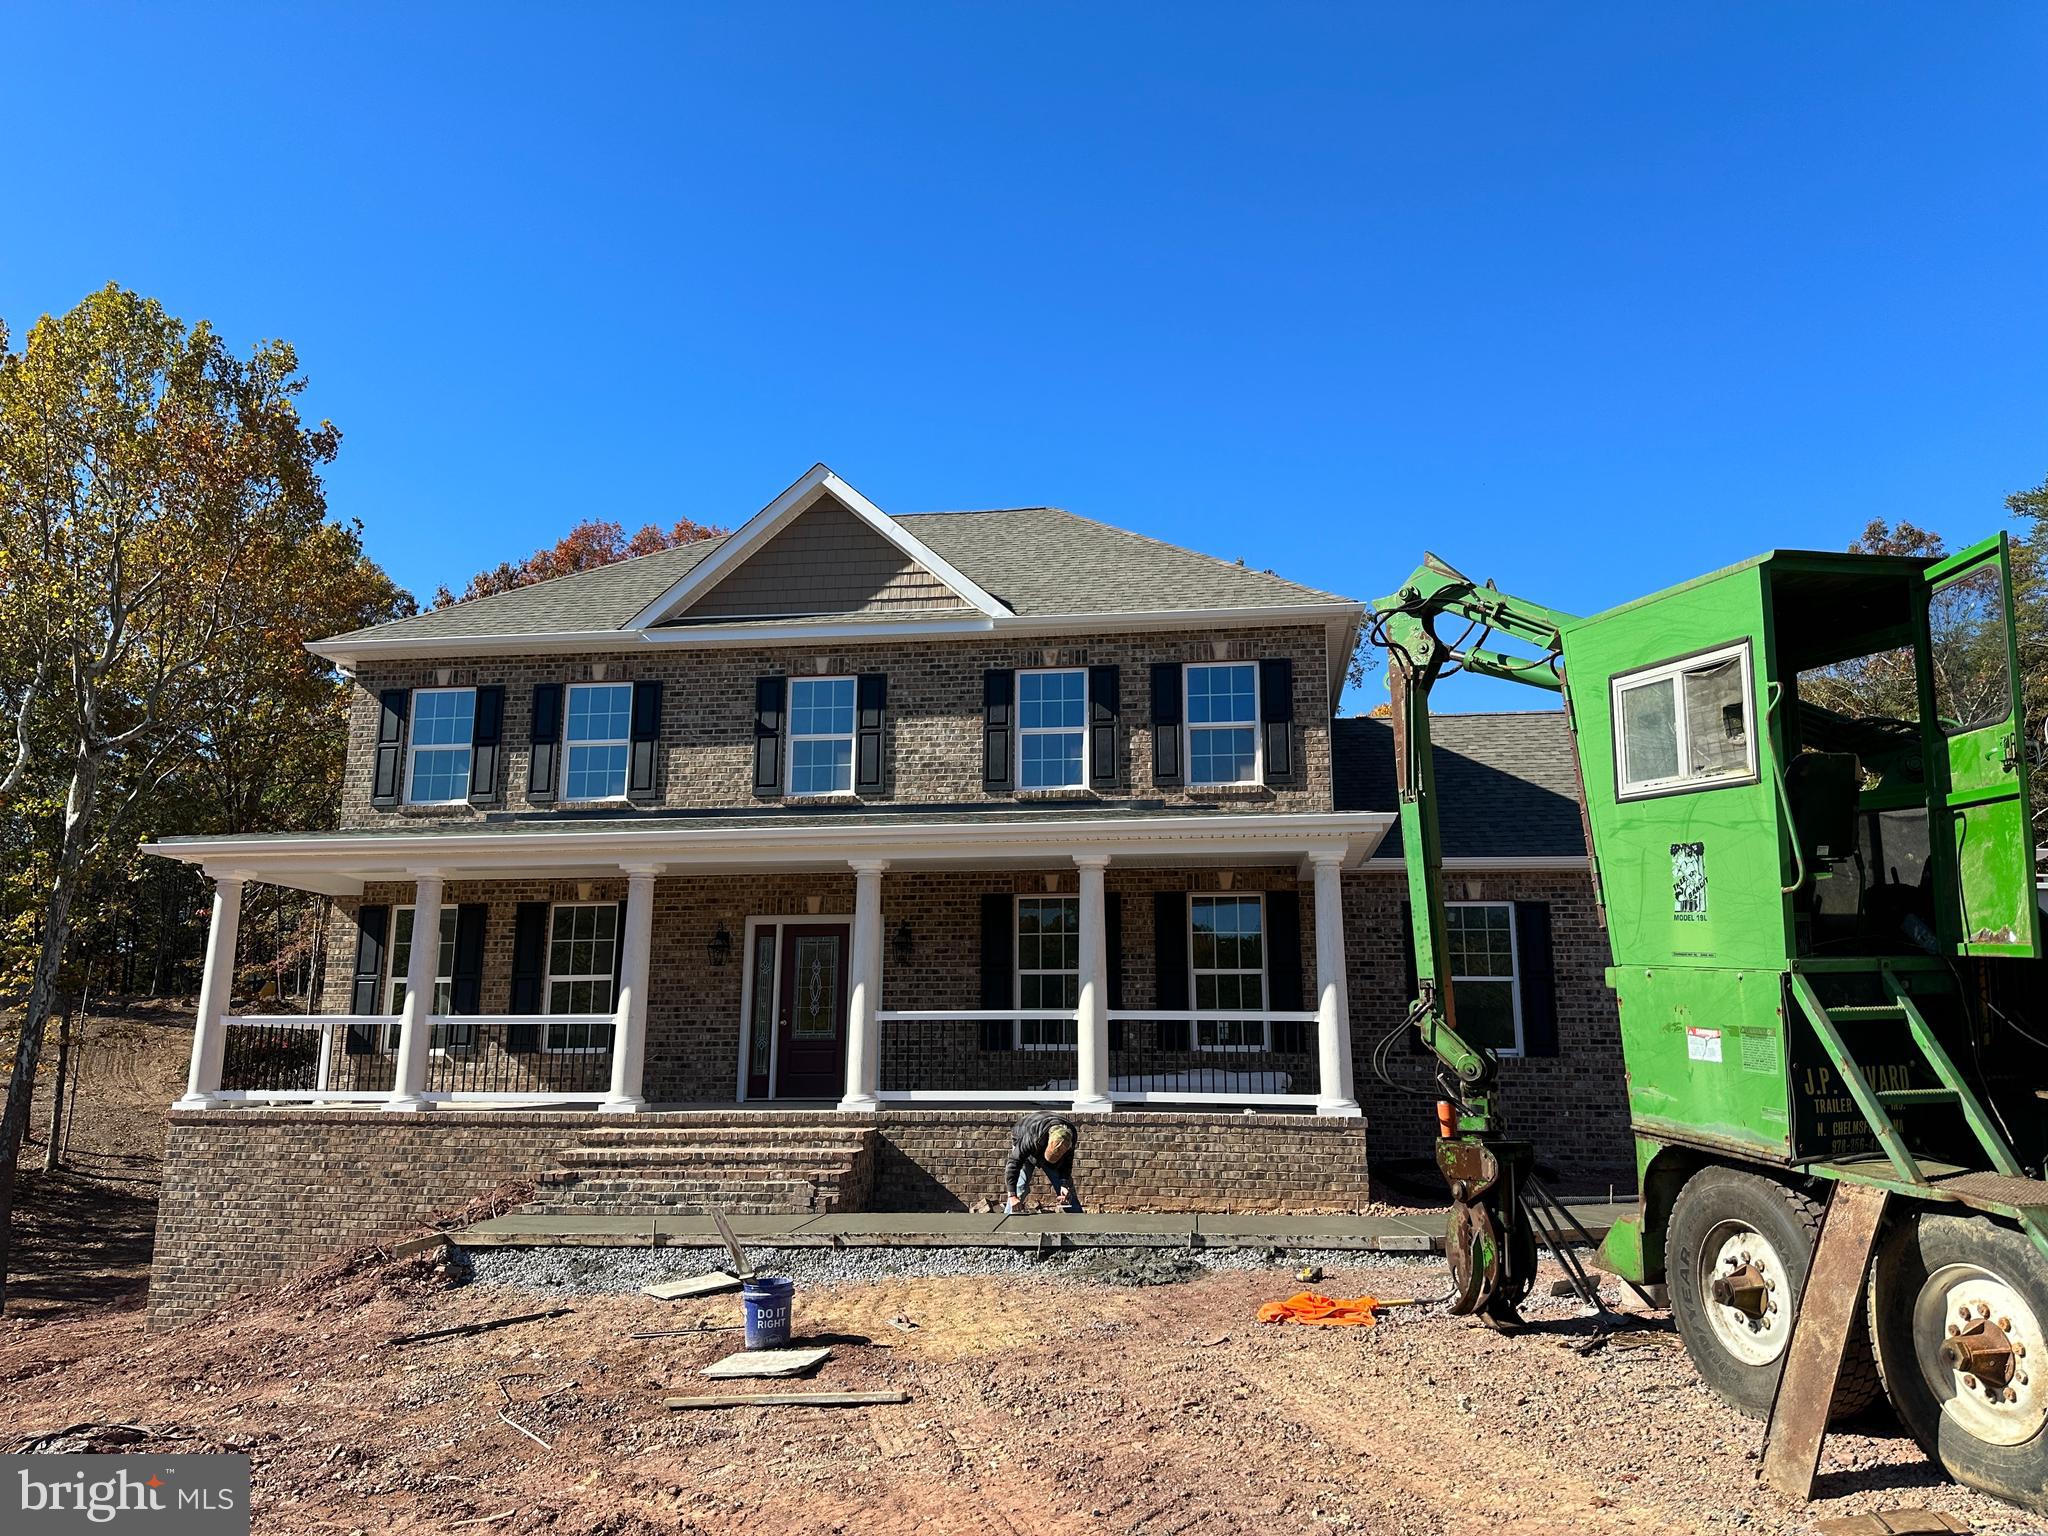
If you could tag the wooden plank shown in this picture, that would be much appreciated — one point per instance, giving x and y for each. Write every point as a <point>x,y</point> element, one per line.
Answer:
<point>792,1400</point>
<point>695,1285</point>
<point>768,1362</point>
<point>1820,1334</point>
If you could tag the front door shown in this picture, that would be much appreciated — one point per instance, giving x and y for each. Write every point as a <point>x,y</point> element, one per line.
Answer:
<point>810,1010</point>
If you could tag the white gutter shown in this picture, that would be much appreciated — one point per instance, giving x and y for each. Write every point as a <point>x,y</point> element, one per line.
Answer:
<point>338,863</point>
<point>347,653</point>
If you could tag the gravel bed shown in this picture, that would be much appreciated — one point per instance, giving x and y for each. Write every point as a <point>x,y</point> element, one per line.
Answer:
<point>615,1270</point>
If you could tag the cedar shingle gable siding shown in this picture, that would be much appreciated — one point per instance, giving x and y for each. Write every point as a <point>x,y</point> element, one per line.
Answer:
<point>826,562</point>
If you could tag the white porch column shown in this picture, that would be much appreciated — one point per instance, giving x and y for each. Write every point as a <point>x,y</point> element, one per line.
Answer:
<point>216,991</point>
<point>629,1017</point>
<point>414,1033</point>
<point>1337,1094</point>
<point>1091,1029</point>
<point>863,1036</point>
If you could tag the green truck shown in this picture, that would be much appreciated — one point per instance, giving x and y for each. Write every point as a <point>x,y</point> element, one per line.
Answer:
<point>1805,789</point>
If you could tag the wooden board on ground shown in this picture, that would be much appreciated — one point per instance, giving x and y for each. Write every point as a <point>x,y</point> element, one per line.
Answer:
<point>1891,1522</point>
<point>791,1400</point>
<point>694,1285</point>
<point>768,1362</point>
<point>1820,1335</point>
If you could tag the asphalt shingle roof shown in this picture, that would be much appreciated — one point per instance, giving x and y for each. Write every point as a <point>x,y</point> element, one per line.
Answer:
<point>1038,560</point>
<point>1506,784</point>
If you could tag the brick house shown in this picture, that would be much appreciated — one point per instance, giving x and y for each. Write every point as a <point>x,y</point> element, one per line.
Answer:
<point>850,816</point>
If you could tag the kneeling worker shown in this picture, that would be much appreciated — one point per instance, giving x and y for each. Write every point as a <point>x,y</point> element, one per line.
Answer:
<point>1043,1140</point>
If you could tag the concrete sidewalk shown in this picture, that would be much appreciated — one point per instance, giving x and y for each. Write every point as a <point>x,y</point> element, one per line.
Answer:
<point>1417,1231</point>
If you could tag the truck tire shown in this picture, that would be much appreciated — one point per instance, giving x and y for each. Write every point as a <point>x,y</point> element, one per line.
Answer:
<point>1725,1221</point>
<point>1930,1270</point>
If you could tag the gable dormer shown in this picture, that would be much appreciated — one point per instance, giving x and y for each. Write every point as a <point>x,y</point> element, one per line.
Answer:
<point>821,549</point>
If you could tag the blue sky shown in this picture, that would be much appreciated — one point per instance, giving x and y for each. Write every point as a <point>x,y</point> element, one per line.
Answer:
<point>1586,298</point>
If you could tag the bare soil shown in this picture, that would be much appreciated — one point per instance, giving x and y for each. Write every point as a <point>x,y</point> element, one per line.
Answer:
<point>1045,1404</point>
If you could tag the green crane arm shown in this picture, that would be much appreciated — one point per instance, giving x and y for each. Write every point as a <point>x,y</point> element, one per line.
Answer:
<point>1406,625</point>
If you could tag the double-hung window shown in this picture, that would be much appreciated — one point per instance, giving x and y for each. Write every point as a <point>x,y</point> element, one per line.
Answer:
<point>820,735</point>
<point>443,726</point>
<point>1052,729</point>
<point>1223,722</point>
<point>1481,938</point>
<point>598,737</point>
<point>444,980</point>
<point>1048,968</point>
<point>583,948</point>
<point>1684,725</point>
<point>1227,949</point>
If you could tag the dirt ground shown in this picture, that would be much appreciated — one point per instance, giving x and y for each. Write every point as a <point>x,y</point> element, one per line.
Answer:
<point>1045,1404</point>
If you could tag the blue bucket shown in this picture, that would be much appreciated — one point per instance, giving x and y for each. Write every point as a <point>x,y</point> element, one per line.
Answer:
<point>766,1301</point>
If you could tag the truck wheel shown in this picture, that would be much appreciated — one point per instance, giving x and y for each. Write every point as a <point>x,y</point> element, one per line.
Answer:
<point>1957,1306</point>
<point>1736,1255</point>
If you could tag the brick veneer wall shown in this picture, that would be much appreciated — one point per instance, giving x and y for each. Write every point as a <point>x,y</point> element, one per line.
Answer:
<point>932,752</point>
<point>1573,1106</point>
<point>250,1197</point>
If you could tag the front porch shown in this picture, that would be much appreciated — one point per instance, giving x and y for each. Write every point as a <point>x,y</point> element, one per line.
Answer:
<point>1077,958</point>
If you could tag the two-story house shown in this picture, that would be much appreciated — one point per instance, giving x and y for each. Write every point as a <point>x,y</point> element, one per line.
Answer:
<point>846,813</point>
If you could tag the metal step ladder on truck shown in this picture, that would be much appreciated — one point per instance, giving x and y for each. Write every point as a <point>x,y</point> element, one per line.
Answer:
<point>1804,787</point>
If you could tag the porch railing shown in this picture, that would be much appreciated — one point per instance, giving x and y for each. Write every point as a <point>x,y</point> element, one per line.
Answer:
<point>353,1058</point>
<point>1166,1056</point>
<point>977,1055</point>
<point>1028,1055</point>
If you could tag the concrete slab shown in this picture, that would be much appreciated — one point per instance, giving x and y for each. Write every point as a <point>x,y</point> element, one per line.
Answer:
<point>553,1224</point>
<point>1096,1223</point>
<point>742,1226</point>
<point>886,1223</point>
<point>1292,1231</point>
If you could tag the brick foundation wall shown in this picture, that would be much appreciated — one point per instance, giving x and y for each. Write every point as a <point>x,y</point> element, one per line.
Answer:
<point>250,1197</point>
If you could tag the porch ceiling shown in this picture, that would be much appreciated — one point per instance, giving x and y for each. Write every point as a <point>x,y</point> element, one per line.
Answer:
<point>341,863</point>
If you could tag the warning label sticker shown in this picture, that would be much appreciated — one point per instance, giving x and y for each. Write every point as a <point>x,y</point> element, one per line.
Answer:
<point>1703,1044</point>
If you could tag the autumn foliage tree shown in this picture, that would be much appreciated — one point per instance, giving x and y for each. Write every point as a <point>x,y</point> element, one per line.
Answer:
<point>585,547</point>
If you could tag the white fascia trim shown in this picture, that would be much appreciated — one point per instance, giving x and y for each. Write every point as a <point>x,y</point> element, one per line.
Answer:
<point>1506,863</point>
<point>712,636</point>
<point>816,481</point>
<point>339,862</point>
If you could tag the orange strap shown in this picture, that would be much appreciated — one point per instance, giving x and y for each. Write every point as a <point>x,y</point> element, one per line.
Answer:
<point>1321,1311</point>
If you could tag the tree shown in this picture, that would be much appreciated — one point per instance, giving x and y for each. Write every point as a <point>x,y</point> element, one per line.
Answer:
<point>157,494</point>
<point>585,547</point>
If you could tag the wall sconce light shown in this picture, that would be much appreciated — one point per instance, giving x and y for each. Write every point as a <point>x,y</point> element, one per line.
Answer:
<point>719,945</point>
<point>903,946</point>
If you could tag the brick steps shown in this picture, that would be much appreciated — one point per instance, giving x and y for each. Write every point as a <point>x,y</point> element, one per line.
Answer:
<point>687,1170</point>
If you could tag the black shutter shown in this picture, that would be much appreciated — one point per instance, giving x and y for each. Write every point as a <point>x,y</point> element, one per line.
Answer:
<point>770,693</point>
<point>646,748</point>
<point>998,968</point>
<point>366,995</point>
<point>1283,968</point>
<point>1113,940</point>
<point>998,720</point>
<point>871,701</point>
<point>1166,763</point>
<point>544,739</point>
<point>1170,958</point>
<point>486,736</point>
<point>529,972</point>
<point>387,778</point>
<point>1538,978</point>
<point>1276,717</point>
<point>1410,980</point>
<point>466,982</point>
<point>1105,721</point>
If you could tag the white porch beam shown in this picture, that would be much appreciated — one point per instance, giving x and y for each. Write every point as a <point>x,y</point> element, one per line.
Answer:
<point>863,1038</point>
<point>408,1091</point>
<point>1337,1094</point>
<point>629,1019</point>
<point>1091,1020</point>
<point>216,992</point>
